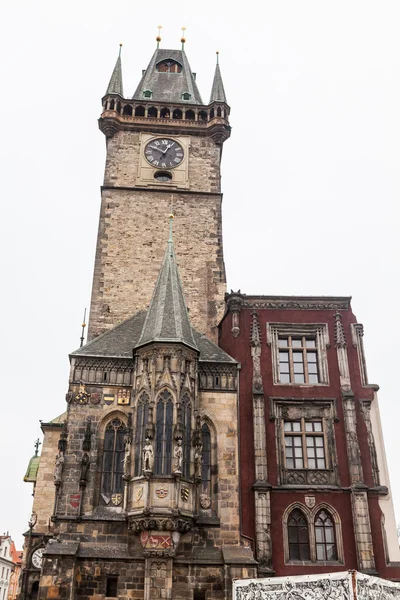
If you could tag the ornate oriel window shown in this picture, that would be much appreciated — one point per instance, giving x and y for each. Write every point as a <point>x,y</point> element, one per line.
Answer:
<point>299,353</point>
<point>113,455</point>
<point>304,444</point>
<point>325,541</point>
<point>164,431</point>
<point>206,460</point>
<point>187,436</point>
<point>142,417</point>
<point>299,542</point>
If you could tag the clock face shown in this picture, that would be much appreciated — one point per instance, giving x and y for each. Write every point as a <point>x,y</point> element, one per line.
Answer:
<point>164,153</point>
<point>37,558</point>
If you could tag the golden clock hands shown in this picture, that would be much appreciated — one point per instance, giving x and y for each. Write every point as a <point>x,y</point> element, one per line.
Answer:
<point>155,148</point>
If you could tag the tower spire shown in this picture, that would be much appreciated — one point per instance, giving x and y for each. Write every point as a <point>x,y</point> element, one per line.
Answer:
<point>115,84</point>
<point>167,318</point>
<point>217,91</point>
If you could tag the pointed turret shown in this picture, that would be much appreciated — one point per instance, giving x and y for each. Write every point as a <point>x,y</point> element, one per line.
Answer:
<point>168,78</point>
<point>167,319</point>
<point>115,85</point>
<point>217,91</point>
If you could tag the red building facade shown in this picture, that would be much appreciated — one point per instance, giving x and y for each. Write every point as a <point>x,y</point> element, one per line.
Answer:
<point>315,493</point>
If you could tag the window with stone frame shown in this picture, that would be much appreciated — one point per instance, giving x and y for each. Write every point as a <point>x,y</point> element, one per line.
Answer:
<point>305,437</point>
<point>186,408</point>
<point>142,417</point>
<point>164,431</point>
<point>299,353</point>
<point>169,66</point>
<point>312,535</point>
<point>113,456</point>
<point>305,444</point>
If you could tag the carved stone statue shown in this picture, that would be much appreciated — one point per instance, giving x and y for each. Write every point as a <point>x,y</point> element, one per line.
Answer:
<point>198,459</point>
<point>148,456</point>
<point>85,465</point>
<point>127,458</point>
<point>58,468</point>
<point>178,456</point>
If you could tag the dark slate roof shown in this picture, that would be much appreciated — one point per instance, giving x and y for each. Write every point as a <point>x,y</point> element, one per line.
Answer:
<point>217,91</point>
<point>120,341</point>
<point>167,318</point>
<point>115,85</point>
<point>169,87</point>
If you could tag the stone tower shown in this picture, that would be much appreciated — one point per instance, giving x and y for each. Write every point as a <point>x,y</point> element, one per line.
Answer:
<point>163,153</point>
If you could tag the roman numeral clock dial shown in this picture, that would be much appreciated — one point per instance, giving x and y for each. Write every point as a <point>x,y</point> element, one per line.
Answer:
<point>164,153</point>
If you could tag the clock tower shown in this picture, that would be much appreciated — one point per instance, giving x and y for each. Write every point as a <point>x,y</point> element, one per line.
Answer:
<point>164,149</point>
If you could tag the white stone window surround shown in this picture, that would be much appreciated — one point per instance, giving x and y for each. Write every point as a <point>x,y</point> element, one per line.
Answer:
<point>319,331</point>
<point>310,515</point>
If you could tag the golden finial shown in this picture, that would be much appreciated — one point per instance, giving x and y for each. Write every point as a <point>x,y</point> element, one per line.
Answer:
<point>183,39</point>
<point>158,38</point>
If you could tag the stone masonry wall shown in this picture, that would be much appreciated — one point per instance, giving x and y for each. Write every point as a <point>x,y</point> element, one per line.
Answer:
<point>43,502</point>
<point>133,232</point>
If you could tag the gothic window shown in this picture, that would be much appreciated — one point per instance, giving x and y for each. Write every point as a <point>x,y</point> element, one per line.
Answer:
<point>164,427</point>
<point>142,416</point>
<point>299,353</point>
<point>212,113</point>
<point>298,538</point>
<point>112,105</point>
<point>206,460</point>
<point>127,110</point>
<point>187,434</point>
<point>304,444</point>
<point>113,456</point>
<point>218,111</point>
<point>325,541</point>
<point>186,96</point>
<point>169,66</point>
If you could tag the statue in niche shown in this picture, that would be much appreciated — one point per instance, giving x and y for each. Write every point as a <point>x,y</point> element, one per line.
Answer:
<point>127,458</point>
<point>198,459</point>
<point>85,466</point>
<point>58,468</point>
<point>178,456</point>
<point>148,456</point>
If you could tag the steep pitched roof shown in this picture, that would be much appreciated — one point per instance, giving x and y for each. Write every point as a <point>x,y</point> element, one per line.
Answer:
<point>217,90</point>
<point>115,85</point>
<point>169,87</point>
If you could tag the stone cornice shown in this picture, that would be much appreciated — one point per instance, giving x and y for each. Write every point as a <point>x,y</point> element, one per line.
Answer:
<point>290,302</point>
<point>154,188</point>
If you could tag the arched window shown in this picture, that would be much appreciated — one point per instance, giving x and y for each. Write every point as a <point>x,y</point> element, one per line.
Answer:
<point>164,427</point>
<point>187,435</point>
<point>169,66</point>
<point>112,104</point>
<point>152,112</point>
<point>212,113</point>
<point>203,115</point>
<point>299,543</point>
<point>142,416</point>
<point>119,107</point>
<point>218,111</point>
<point>206,460</point>
<point>113,456</point>
<point>139,111</point>
<point>165,114</point>
<point>127,110</point>
<point>190,115</point>
<point>325,539</point>
<point>177,114</point>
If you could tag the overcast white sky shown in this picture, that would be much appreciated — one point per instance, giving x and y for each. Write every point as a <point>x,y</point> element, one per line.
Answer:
<point>310,176</point>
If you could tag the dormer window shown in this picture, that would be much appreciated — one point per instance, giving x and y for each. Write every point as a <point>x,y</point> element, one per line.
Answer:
<point>147,94</point>
<point>186,96</point>
<point>169,66</point>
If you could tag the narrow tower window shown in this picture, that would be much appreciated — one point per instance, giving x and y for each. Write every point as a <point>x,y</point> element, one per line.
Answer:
<point>187,438</point>
<point>164,426</point>
<point>206,460</point>
<point>111,482</point>
<point>299,543</point>
<point>142,416</point>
